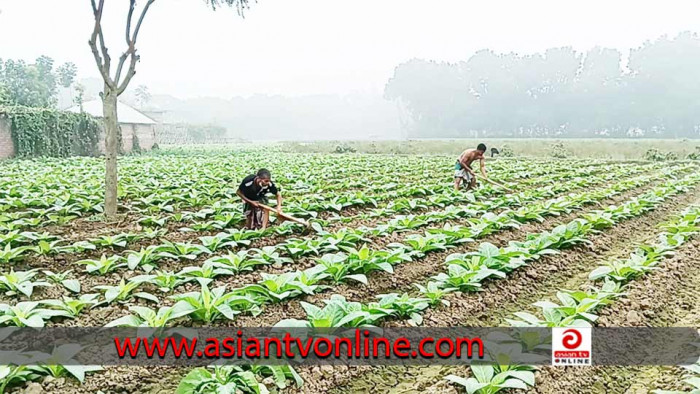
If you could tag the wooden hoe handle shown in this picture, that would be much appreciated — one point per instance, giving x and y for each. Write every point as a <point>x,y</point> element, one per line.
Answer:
<point>283,215</point>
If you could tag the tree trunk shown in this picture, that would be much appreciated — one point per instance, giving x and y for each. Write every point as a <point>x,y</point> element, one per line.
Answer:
<point>109,108</point>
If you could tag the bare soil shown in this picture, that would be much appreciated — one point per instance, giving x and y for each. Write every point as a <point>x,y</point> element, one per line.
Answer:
<point>534,282</point>
<point>668,297</point>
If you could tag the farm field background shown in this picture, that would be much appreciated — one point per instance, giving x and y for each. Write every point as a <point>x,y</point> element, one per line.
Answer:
<point>391,235</point>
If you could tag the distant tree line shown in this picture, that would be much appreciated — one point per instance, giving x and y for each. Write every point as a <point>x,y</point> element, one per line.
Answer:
<point>562,93</point>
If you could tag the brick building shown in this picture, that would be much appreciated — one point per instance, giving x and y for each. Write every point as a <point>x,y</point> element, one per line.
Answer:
<point>132,122</point>
<point>134,125</point>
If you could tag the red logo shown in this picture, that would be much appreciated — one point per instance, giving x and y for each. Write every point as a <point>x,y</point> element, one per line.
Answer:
<point>571,346</point>
<point>572,339</point>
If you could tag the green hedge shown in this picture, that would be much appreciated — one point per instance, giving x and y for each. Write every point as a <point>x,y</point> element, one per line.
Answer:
<point>48,132</point>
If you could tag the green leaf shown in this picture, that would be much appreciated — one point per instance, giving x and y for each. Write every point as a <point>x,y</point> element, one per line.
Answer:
<point>600,272</point>
<point>193,380</point>
<point>72,285</point>
<point>514,384</point>
<point>483,373</point>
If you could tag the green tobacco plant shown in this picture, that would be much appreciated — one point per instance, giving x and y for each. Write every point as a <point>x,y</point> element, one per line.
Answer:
<point>489,223</point>
<point>27,314</point>
<point>118,240</point>
<point>147,317</point>
<point>73,285</point>
<point>528,213</point>
<point>339,269</point>
<point>102,266</point>
<point>14,238</point>
<point>405,223</point>
<point>9,254</point>
<point>220,379</point>
<point>575,309</point>
<point>208,270</point>
<point>302,247</point>
<point>70,367</point>
<point>221,240</point>
<point>46,248</point>
<point>418,245</point>
<point>167,281</point>
<point>490,256</point>
<point>180,250</point>
<point>493,378</point>
<point>625,270</point>
<point>341,240</point>
<point>404,306</point>
<point>571,233</point>
<point>209,305</point>
<point>145,258</point>
<point>270,255</point>
<point>275,288</point>
<point>337,312</point>
<point>124,290</point>
<point>464,279</point>
<point>454,234</point>
<point>366,260</point>
<point>80,247</point>
<point>12,375</point>
<point>237,262</point>
<point>153,221</point>
<point>72,306</point>
<point>599,219</point>
<point>434,292</point>
<point>20,282</point>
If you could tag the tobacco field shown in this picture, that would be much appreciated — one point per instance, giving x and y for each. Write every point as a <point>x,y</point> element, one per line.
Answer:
<point>577,243</point>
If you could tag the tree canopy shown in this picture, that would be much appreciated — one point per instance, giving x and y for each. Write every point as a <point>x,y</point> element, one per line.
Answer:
<point>560,92</point>
<point>33,85</point>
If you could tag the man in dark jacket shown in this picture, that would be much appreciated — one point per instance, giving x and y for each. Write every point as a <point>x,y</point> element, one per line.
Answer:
<point>253,190</point>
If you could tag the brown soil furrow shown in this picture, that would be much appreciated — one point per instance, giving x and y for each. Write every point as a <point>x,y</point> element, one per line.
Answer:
<point>379,281</point>
<point>503,297</point>
<point>174,235</point>
<point>89,281</point>
<point>164,379</point>
<point>553,272</point>
<point>664,298</point>
<point>408,273</point>
<point>105,380</point>
<point>89,227</point>
<point>85,228</point>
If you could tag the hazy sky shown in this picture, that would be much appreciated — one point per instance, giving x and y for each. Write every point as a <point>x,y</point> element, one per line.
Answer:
<point>324,46</point>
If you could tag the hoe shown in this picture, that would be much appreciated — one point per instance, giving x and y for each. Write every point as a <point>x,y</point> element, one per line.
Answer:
<point>284,216</point>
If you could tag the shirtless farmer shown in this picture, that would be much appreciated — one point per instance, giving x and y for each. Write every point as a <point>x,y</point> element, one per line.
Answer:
<point>463,171</point>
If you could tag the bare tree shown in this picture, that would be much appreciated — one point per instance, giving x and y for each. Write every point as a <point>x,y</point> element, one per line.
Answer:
<point>115,85</point>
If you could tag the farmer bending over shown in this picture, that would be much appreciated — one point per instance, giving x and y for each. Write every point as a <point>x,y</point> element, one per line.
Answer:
<point>253,191</point>
<point>463,170</point>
